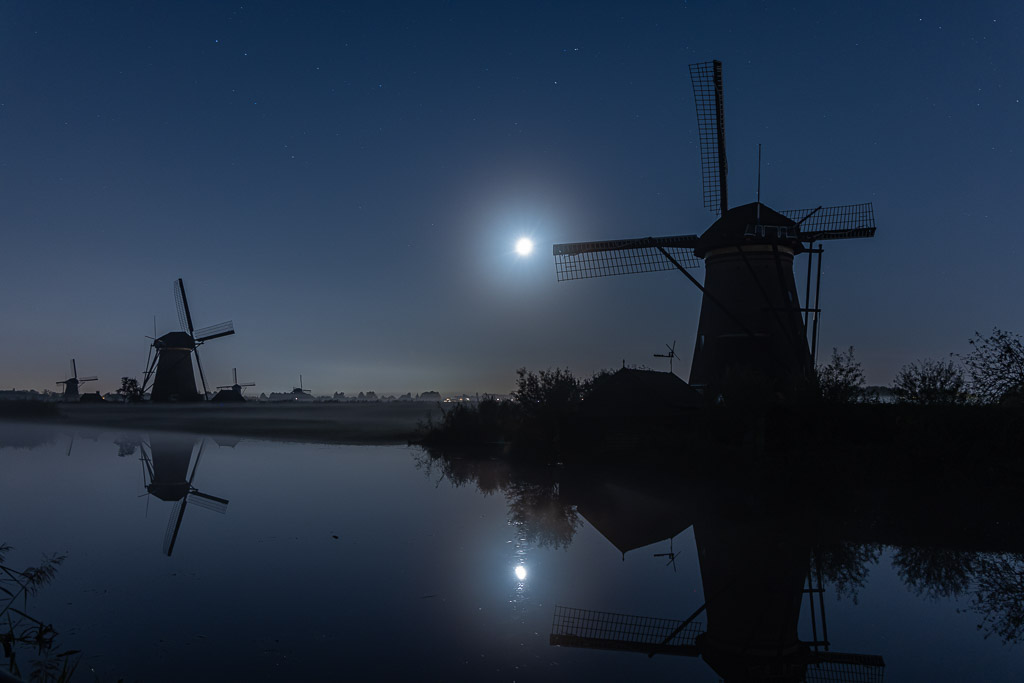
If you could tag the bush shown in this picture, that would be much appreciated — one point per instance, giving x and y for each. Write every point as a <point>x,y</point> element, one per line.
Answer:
<point>842,380</point>
<point>996,366</point>
<point>930,382</point>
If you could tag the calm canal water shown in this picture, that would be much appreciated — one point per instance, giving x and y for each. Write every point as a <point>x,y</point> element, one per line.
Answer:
<point>193,558</point>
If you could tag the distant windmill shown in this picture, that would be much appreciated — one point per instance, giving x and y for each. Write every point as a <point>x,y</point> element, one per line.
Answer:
<point>671,355</point>
<point>164,473</point>
<point>169,366</point>
<point>299,393</point>
<point>72,383</point>
<point>751,318</point>
<point>232,392</point>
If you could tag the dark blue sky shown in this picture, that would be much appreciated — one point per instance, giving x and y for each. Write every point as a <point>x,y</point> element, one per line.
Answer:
<point>346,182</point>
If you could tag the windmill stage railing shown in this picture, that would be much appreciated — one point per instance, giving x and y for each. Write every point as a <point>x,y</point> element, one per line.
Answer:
<point>582,260</point>
<point>573,627</point>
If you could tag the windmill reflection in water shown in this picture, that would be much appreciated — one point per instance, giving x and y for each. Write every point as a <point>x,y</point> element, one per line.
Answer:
<point>756,574</point>
<point>166,475</point>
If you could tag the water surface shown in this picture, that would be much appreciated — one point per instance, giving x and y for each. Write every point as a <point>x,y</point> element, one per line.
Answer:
<point>193,558</point>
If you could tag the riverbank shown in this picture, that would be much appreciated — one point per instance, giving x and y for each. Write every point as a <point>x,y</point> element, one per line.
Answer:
<point>857,443</point>
<point>337,423</point>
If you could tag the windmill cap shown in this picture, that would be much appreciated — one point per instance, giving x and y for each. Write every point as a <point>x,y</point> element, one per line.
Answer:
<point>175,340</point>
<point>742,225</point>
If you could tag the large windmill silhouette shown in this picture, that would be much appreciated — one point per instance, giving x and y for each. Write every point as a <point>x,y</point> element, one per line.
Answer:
<point>751,320</point>
<point>169,366</point>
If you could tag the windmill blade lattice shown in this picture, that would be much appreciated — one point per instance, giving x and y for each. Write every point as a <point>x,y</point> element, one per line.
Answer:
<point>205,500</point>
<point>574,627</point>
<point>582,260</point>
<point>173,526</point>
<point>179,295</point>
<point>706,78</point>
<point>213,331</point>
<point>834,222</point>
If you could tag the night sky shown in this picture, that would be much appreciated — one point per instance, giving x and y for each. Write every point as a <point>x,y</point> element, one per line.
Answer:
<point>347,182</point>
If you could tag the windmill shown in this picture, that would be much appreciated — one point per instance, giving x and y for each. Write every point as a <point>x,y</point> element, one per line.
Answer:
<point>233,391</point>
<point>72,383</point>
<point>671,355</point>
<point>300,394</point>
<point>750,319</point>
<point>169,366</point>
<point>166,476</point>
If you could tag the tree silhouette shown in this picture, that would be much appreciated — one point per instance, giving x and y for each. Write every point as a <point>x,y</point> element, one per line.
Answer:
<point>930,382</point>
<point>996,365</point>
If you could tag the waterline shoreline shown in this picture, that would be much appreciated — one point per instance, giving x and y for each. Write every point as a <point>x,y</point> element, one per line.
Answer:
<point>331,423</point>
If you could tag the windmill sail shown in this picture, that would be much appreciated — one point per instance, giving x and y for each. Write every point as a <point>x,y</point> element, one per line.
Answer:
<point>174,526</point>
<point>706,78</point>
<point>181,303</point>
<point>214,331</point>
<point>834,222</point>
<point>573,627</point>
<point>581,260</point>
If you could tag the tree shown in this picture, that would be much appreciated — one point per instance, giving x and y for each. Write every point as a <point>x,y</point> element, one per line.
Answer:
<point>996,365</point>
<point>842,380</point>
<point>930,382</point>
<point>547,391</point>
<point>130,390</point>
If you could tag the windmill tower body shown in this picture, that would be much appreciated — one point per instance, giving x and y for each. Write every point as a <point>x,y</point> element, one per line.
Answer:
<point>750,320</point>
<point>175,379</point>
<point>71,390</point>
<point>753,577</point>
<point>171,455</point>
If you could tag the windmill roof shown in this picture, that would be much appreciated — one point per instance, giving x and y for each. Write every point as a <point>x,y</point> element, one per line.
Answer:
<point>228,396</point>
<point>630,517</point>
<point>175,340</point>
<point>739,224</point>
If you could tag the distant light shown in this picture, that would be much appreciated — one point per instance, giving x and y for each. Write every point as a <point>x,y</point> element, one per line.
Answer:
<point>524,246</point>
<point>521,572</point>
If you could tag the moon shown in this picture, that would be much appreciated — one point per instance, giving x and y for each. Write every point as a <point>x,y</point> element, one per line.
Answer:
<point>524,246</point>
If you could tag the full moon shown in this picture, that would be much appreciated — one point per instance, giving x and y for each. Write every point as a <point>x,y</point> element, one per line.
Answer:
<point>524,246</point>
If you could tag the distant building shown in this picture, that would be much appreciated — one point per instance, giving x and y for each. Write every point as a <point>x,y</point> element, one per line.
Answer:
<point>27,395</point>
<point>296,395</point>
<point>640,393</point>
